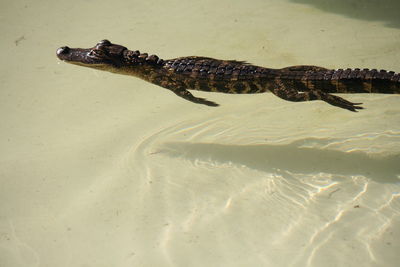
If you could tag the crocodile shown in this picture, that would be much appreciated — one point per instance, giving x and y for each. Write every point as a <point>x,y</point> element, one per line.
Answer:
<point>294,83</point>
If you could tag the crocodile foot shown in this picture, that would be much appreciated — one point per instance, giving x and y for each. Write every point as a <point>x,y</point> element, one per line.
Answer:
<point>341,102</point>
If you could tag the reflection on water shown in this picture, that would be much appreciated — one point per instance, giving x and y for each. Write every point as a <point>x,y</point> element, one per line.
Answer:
<point>100,169</point>
<point>370,10</point>
<point>292,158</point>
<point>301,197</point>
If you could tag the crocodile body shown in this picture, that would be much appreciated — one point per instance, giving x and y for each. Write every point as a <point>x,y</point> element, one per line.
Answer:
<point>296,83</point>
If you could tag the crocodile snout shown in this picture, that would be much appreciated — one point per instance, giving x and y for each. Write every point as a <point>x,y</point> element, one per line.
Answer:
<point>62,51</point>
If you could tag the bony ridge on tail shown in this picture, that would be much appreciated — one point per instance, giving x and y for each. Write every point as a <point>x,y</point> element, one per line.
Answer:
<point>295,83</point>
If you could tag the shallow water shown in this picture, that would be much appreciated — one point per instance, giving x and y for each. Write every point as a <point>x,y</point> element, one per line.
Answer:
<point>99,169</point>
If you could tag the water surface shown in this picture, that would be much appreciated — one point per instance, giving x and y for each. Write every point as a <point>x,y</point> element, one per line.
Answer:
<point>99,169</point>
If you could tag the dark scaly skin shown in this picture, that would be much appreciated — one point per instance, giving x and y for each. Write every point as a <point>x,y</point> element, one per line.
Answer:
<point>296,83</point>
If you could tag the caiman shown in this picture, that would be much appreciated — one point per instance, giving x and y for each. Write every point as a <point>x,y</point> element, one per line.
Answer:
<point>295,83</point>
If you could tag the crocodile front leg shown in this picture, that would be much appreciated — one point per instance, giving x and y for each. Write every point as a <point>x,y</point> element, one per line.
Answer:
<point>180,89</point>
<point>188,96</point>
<point>285,90</point>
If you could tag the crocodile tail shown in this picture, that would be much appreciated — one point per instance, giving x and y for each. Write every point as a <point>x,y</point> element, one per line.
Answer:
<point>365,81</point>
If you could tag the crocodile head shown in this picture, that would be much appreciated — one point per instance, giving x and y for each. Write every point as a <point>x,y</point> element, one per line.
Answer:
<point>103,56</point>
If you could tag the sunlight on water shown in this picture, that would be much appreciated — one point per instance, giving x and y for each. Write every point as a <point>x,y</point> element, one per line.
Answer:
<point>315,185</point>
<point>99,169</point>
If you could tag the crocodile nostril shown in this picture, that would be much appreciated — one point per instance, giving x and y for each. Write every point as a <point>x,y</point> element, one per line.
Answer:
<point>62,50</point>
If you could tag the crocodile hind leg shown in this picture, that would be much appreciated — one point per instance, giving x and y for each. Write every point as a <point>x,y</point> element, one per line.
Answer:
<point>285,90</point>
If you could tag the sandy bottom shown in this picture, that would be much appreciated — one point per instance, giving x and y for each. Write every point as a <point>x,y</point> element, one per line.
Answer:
<point>98,169</point>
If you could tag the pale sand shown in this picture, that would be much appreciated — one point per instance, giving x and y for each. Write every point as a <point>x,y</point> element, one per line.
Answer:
<point>99,169</point>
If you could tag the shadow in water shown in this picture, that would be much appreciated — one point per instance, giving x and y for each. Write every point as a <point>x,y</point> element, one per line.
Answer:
<point>372,10</point>
<point>290,157</point>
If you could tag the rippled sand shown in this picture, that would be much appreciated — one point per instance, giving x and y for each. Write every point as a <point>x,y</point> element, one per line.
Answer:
<point>99,169</point>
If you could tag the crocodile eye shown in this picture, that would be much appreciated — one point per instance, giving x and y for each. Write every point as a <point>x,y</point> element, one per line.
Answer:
<point>104,42</point>
<point>96,53</point>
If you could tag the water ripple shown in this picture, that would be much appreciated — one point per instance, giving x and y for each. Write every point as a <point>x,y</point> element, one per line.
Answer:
<point>218,181</point>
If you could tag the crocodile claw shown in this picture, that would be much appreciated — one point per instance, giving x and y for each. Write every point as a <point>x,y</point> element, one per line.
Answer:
<point>341,102</point>
<point>204,101</point>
